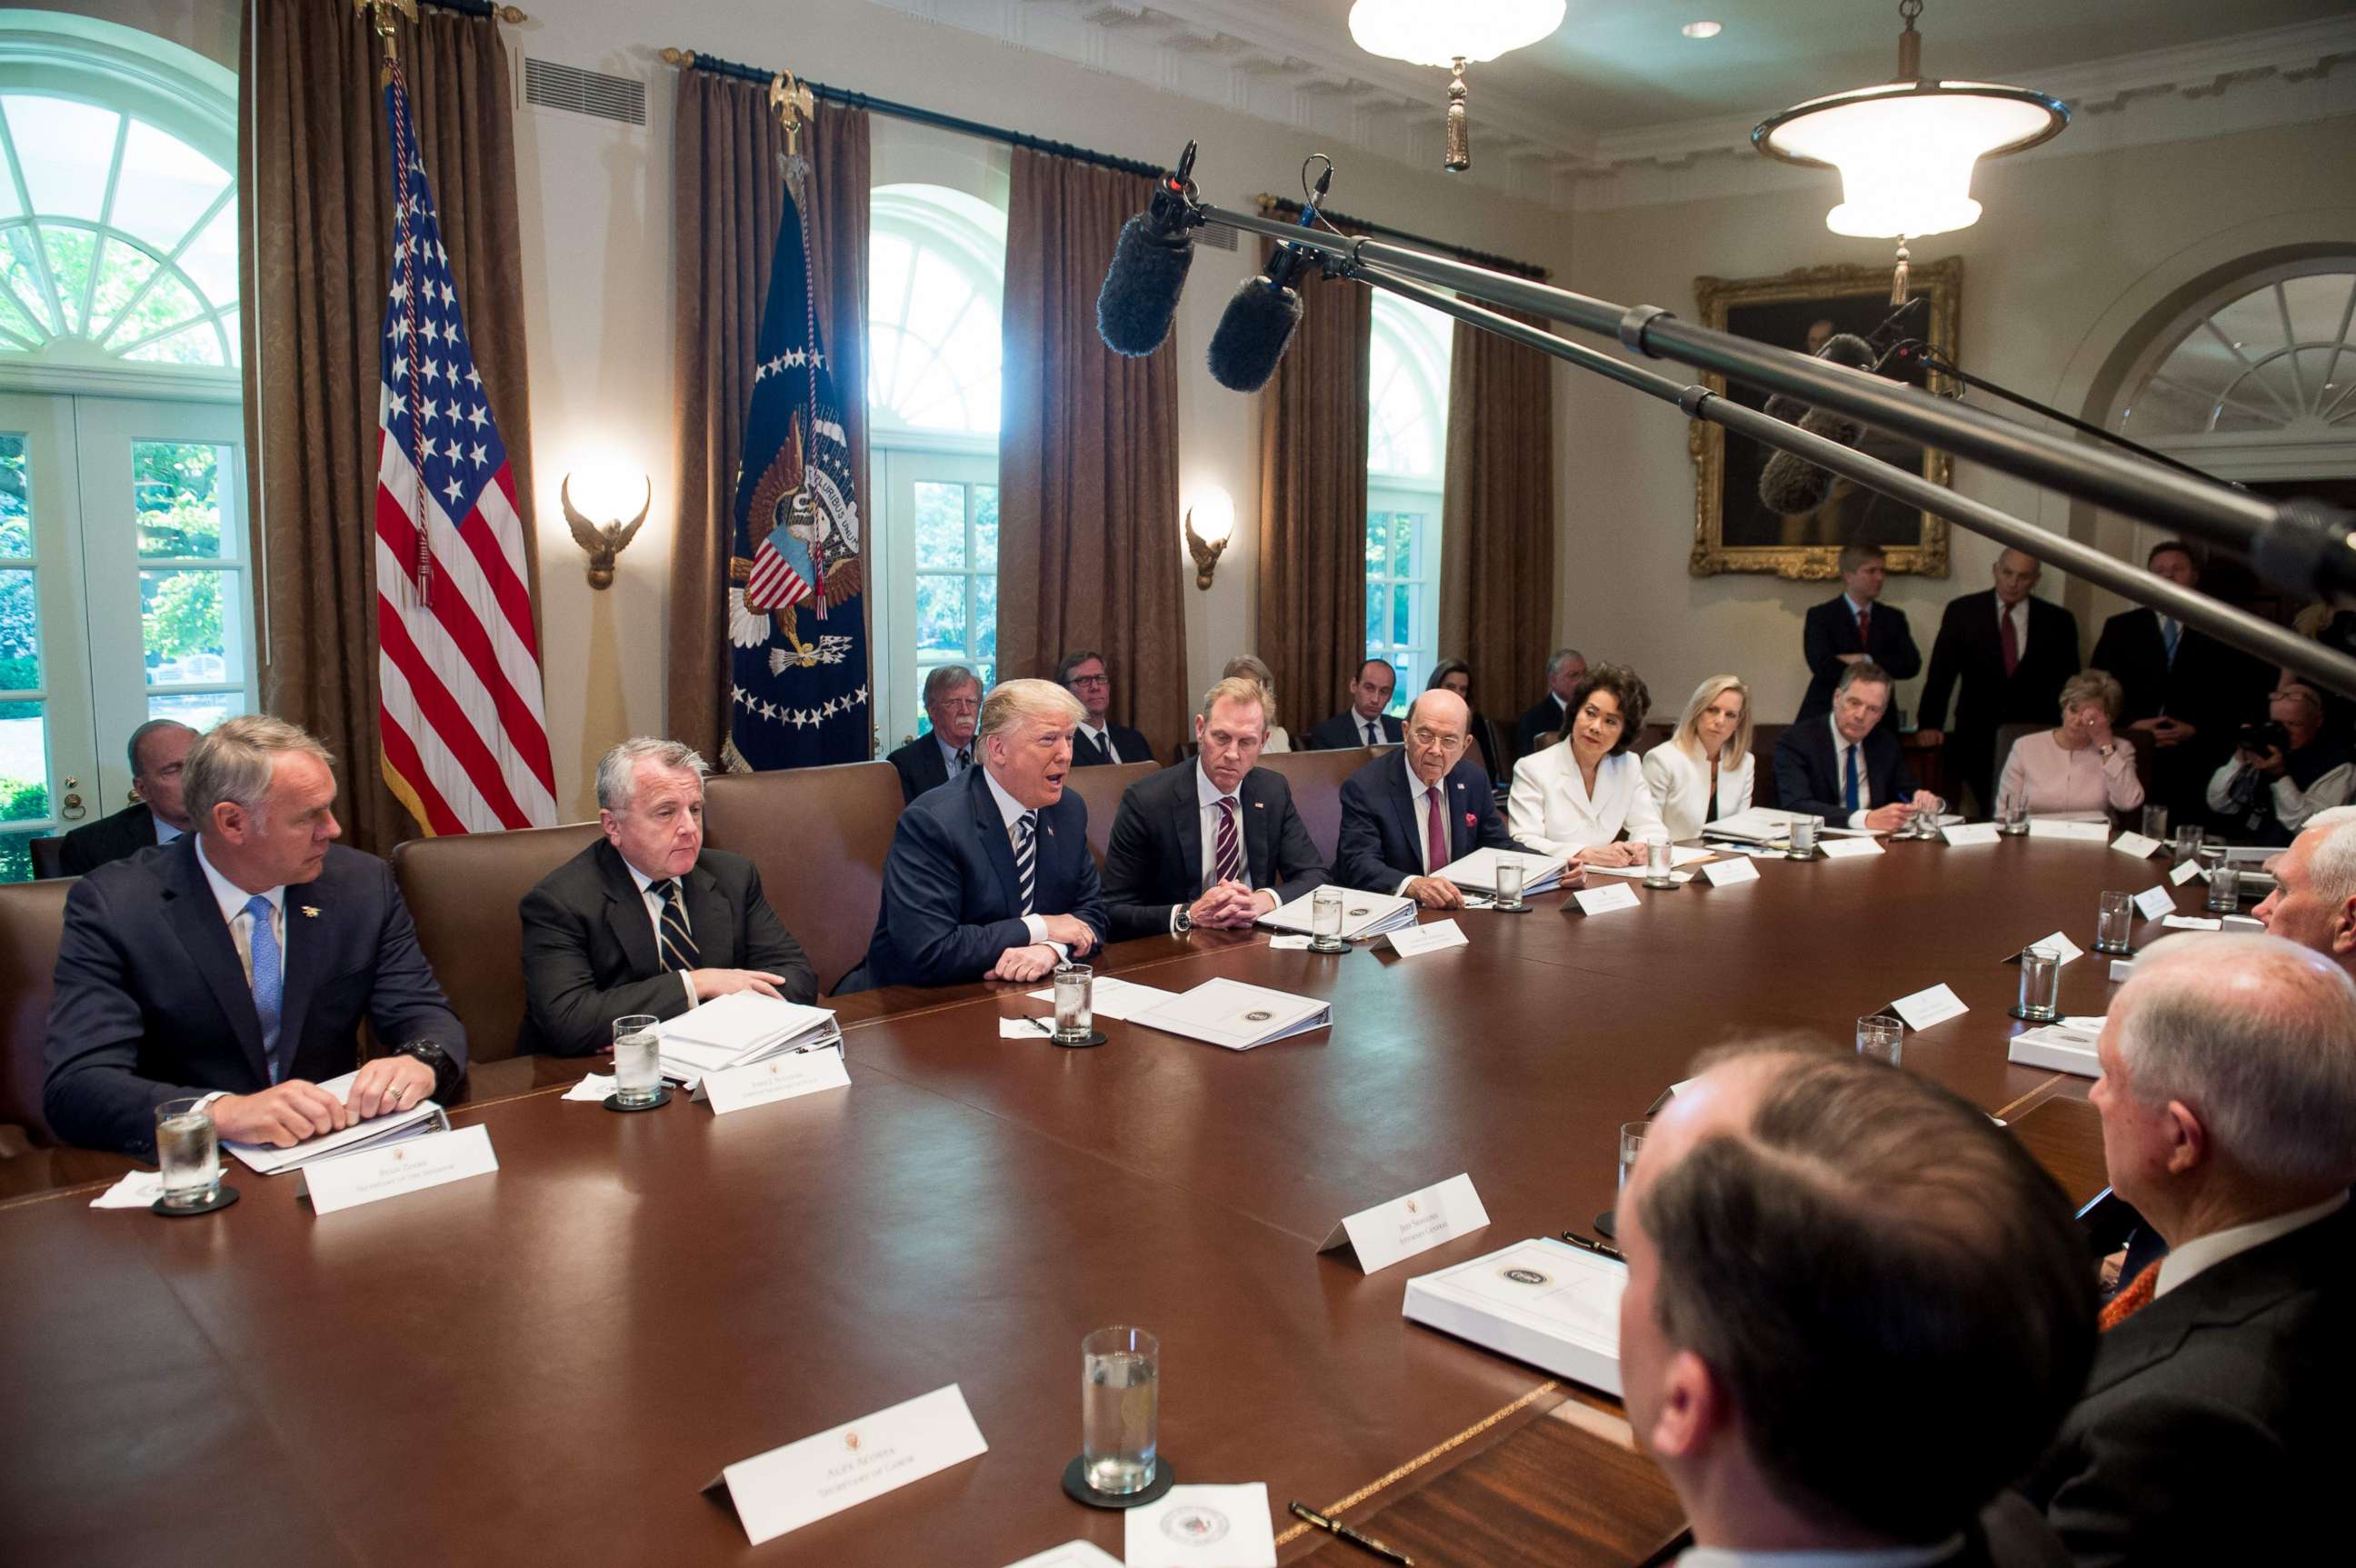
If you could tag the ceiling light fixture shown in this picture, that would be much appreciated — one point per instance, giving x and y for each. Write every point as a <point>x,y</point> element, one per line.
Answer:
<point>1906,148</point>
<point>1702,29</point>
<point>1452,36</point>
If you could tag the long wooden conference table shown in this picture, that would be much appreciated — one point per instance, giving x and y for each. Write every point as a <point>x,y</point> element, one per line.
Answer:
<point>547,1364</point>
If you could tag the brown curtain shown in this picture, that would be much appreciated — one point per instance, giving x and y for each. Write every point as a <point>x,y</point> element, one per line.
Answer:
<point>1088,550</point>
<point>1313,503</point>
<point>1496,568</point>
<point>314,156</point>
<point>729,194</point>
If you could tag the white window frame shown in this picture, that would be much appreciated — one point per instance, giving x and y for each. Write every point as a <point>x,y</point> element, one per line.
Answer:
<point>1419,343</point>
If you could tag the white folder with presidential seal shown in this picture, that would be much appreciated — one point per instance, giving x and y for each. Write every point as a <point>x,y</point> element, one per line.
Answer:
<point>1364,915</point>
<point>1554,1307</point>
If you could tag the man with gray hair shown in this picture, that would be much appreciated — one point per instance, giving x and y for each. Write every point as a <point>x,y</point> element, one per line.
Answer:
<point>237,962</point>
<point>1566,667</point>
<point>991,878</point>
<point>2212,1429</point>
<point>2314,900</point>
<point>646,921</point>
<point>158,753</point>
<point>952,702</point>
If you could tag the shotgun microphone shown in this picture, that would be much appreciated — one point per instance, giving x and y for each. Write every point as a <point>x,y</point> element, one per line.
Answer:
<point>1790,485</point>
<point>1257,324</point>
<point>1150,263</point>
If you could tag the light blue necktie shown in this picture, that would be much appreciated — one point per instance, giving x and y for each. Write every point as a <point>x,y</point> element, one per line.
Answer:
<point>2169,631</point>
<point>1849,798</point>
<point>268,983</point>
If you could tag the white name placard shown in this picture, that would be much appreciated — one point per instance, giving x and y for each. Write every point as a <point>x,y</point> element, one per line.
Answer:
<point>2055,828</point>
<point>2184,873</point>
<point>1727,873</point>
<point>1071,1555</point>
<point>2192,923</point>
<point>1844,849</point>
<point>1970,832</point>
<point>413,1164</point>
<point>2154,902</point>
<point>779,1078</point>
<point>1387,1232</point>
<point>788,1487</point>
<point>2058,944</point>
<point>2136,845</point>
<point>1925,1008</point>
<point>1409,940</point>
<point>1603,900</point>
<point>2122,970</point>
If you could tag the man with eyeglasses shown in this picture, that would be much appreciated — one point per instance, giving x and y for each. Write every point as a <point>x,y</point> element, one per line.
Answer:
<point>953,701</point>
<point>1096,741</point>
<point>159,749</point>
<point>1406,818</point>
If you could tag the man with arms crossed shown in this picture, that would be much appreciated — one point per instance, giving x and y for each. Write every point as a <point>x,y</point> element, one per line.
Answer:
<point>646,921</point>
<point>1217,844</point>
<point>240,958</point>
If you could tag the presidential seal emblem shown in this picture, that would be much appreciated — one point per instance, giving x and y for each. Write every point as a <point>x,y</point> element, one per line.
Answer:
<point>1258,1015</point>
<point>1194,1525</point>
<point>850,1441</point>
<point>1526,1276</point>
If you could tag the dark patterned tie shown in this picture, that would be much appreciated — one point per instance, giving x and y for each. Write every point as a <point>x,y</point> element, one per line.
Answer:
<point>2011,641</point>
<point>1374,736</point>
<point>964,759</point>
<point>678,942</point>
<point>1026,857</point>
<point>1229,850</point>
<point>1435,833</point>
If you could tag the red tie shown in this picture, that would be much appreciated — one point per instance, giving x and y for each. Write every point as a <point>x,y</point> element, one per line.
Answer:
<point>2011,643</point>
<point>1435,833</point>
<point>1865,628</point>
<point>2132,1299</point>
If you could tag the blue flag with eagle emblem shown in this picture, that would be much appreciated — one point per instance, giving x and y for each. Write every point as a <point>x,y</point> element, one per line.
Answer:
<point>797,629</point>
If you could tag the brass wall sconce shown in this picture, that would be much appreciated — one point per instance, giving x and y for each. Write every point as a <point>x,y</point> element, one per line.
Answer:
<point>1208,538</point>
<point>604,542</point>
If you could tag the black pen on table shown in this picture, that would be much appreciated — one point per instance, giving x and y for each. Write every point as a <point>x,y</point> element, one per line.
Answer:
<point>1363,1542</point>
<point>1600,1249</point>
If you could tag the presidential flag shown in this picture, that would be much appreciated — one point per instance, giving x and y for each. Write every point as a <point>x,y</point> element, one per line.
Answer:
<point>465,747</point>
<point>797,629</point>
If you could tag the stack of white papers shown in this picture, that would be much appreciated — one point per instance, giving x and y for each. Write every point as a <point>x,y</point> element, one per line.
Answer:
<point>1363,914</point>
<point>1111,998</point>
<point>423,1117</point>
<point>2066,1046</point>
<point>1759,825</point>
<point>1477,872</point>
<point>738,1030</point>
<point>1537,1300</point>
<point>1229,1013</point>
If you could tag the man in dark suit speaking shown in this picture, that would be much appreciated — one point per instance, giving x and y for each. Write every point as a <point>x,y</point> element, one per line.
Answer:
<point>1363,723</point>
<point>1405,816</point>
<point>1854,627</point>
<point>160,752</point>
<point>240,960</point>
<point>1215,844</point>
<point>648,920</point>
<point>2213,1428</point>
<point>1845,768</point>
<point>991,878</point>
<point>2008,652</point>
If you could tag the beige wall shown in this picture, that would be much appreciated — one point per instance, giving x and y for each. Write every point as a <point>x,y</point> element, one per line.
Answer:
<point>2073,251</point>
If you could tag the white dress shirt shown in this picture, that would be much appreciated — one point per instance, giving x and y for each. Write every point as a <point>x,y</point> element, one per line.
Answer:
<point>1550,810</point>
<point>1010,812</point>
<point>164,831</point>
<point>1102,736</point>
<point>654,903</point>
<point>239,920</point>
<point>1208,799</point>
<point>949,755</point>
<point>1875,1557</point>
<point>1680,786</point>
<point>2019,614</point>
<point>2204,1253</point>
<point>1842,746</point>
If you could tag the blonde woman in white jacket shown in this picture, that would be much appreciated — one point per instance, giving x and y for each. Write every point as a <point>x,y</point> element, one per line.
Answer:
<point>1705,770</point>
<point>1576,796</point>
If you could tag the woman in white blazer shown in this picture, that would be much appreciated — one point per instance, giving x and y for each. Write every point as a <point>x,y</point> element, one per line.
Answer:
<point>1575,796</point>
<point>1705,770</point>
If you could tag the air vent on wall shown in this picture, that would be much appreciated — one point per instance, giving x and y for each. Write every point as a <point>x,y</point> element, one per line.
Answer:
<point>1218,236</point>
<point>552,86</point>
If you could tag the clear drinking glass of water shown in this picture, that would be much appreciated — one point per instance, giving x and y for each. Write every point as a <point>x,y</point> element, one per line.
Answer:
<point>1509,883</point>
<point>2114,923</point>
<point>2012,820</point>
<point>188,1149</point>
<point>2188,842</point>
<point>1075,1003</point>
<point>2155,822</point>
<point>1120,1416</point>
<point>1658,863</point>
<point>2224,888</point>
<point>1882,1038</point>
<point>1325,921</point>
<point>637,1059</point>
<point>2041,984</point>
<point>1804,838</point>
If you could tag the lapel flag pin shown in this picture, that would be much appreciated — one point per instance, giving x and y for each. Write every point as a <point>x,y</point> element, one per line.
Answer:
<point>310,911</point>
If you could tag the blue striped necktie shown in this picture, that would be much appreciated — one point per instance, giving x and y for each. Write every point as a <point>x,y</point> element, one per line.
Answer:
<point>269,981</point>
<point>1849,798</point>
<point>678,950</point>
<point>1025,856</point>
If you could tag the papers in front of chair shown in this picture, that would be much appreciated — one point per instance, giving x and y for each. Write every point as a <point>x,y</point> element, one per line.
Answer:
<point>2066,1046</point>
<point>1229,1013</point>
<point>425,1116</point>
<point>738,1030</point>
<point>1538,1301</point>
<point>1477,872</point>
<point>1363,914</point>
<point>1112,998</point>
<point>1759,825</point>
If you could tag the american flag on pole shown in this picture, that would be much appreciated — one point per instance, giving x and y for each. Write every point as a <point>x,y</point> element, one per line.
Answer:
<point>465,747</point>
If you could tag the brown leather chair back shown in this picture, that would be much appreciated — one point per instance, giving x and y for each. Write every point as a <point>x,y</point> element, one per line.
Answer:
<point>818,836</point>
<point>1316,780</point>
<point>1101,788</point>
<point>32,915</point>
<point>1763,751</point>
<point>462,893</point>
<point>48,856</point>
<point>1650,735</point>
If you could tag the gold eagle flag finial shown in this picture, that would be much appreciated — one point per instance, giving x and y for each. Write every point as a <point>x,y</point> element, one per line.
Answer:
<point>378,12</point>
<point>791,98</point>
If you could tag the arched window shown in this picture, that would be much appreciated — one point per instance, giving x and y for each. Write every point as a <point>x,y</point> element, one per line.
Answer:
<point>1407,452</point>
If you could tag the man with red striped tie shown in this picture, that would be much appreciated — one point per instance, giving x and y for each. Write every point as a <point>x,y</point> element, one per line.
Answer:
<point>2212,1427</point>
<point>1216,844</point>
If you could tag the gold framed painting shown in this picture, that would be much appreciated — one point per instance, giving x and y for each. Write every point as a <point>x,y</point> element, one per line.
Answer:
<point>1733,530</point>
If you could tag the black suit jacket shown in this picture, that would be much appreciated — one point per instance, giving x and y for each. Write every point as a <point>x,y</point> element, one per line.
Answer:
<point>1155,861</point>
<point>1808,777</point>
<point>921,766</point>
<point>152,1002</point>
<point>2212,687</point>
<point>2214,1427</point>
<point>1344,731</point>
<point>1540,725</point>
<point>1381,841</point>
<point>589,952</point>
<point>951,904</point>
<point>1831,631</point>
<point>117,837</point>
<point>1131,746</point>
<point>1968,661</point>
